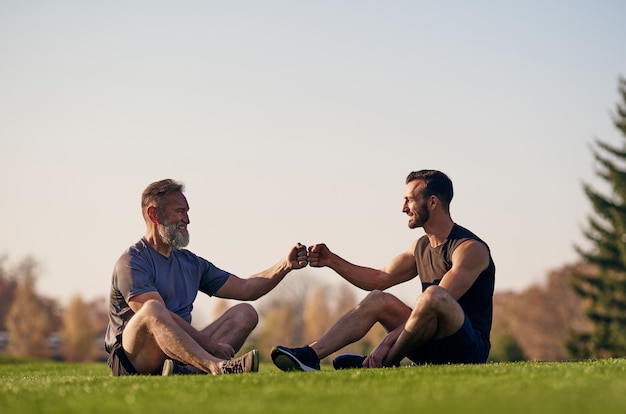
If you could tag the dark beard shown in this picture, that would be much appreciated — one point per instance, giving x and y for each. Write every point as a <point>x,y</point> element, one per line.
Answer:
<point>422,215</point>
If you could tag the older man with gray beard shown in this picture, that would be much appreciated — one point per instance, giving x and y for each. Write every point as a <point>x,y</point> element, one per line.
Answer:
<point>154,285</point>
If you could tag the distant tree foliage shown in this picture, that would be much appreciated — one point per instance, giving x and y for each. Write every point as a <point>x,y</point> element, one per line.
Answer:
<point>507,349</point>
<point>8,285</point>
<point>78,334</point>
<point>278,327</point>
<point>605,287</point>
<point>38,327</point>
<point>301,310</point>
<point>535,324</point>
<point>29,321</point>
<point>316,316</point>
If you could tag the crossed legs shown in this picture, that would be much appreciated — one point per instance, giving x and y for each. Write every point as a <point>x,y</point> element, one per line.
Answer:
<point>152,335</point>
<point>436,315</point>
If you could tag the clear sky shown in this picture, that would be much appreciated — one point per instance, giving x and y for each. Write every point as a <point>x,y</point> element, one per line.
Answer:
<point>298,121</point>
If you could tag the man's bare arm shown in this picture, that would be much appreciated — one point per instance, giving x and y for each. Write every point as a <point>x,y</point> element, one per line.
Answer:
<point>468,262</point>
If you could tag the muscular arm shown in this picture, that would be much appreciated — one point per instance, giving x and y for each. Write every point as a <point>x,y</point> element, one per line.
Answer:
<point>261,283</point>
<point>468,261</point>
<point>400,269</point>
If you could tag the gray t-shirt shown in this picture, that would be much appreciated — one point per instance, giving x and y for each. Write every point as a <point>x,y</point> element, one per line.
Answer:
<point>177,278</point>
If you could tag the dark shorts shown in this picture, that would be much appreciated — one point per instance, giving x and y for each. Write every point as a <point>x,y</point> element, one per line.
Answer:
<point>465,346</point>
<point>118,361</point>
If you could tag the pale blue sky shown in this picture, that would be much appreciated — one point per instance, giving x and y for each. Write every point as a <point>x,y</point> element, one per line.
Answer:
<point>298,121</point>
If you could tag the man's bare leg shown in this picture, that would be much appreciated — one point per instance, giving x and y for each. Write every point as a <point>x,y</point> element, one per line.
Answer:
<point>435,316</point>
<point>377,306</point>
<point>152,335</point>
<point>234,326</point>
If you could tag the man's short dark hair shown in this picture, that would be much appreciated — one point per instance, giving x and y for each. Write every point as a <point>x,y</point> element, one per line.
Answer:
<point>437,184</point>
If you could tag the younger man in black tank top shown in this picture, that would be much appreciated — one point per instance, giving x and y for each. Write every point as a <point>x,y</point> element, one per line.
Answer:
<point>451,319</point>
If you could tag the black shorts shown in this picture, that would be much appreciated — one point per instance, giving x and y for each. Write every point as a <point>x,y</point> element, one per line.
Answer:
<point>118,361</point>
<point>465,346</point>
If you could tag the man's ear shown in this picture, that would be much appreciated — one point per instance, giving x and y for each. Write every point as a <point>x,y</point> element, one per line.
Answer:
<point>153,214</point>
<point>433,201</point>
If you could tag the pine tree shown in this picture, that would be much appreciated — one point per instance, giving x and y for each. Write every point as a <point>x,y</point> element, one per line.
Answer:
<point>604,288</point>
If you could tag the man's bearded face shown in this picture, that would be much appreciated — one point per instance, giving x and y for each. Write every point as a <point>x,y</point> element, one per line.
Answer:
<point>174,235</point>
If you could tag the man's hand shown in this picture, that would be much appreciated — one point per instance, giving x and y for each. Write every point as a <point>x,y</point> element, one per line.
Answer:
<point>377,357</point>
<point>217,349</point>
<point>319,255</point>
<point>298,257</point>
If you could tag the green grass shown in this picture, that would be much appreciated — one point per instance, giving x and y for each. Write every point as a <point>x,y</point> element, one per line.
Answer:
<point>528,387</point>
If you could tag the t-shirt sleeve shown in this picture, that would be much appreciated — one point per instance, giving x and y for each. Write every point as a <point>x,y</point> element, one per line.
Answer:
<point>212,278</point>
<point>134,276</point>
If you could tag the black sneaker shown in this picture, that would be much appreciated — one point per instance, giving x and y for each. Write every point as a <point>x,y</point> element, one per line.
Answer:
<point>171,367</point>
<point>295,359</point>
<point>346,361</point>
<point>248,362</point>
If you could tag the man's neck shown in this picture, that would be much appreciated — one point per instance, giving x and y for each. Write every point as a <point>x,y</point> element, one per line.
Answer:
<point>157,244</point>
<point>438,232</point>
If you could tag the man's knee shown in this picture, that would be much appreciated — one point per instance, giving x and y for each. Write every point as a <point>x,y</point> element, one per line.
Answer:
<point>138,339</point>
<point>384,308</point>
<point>151,312</point>
<point>152,307</point>
<point>374,299</point>
<point>246,314</point>
<point>383,304</point>
<point>434,297</point>
<point>434,304</point>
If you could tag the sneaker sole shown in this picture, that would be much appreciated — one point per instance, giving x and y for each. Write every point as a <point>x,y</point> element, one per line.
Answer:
<point>255,361</point>
<point>168,368</point>
<point>349,361</point>
<point>286,361</point>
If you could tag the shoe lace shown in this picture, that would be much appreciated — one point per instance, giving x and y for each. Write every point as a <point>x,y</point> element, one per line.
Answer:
<point>233,366</point>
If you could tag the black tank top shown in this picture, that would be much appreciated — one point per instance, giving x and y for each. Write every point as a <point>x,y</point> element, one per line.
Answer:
<point>434,262</point>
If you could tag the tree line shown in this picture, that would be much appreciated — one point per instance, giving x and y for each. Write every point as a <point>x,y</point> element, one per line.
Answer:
<point>36,326</point>
<point>539,323</point>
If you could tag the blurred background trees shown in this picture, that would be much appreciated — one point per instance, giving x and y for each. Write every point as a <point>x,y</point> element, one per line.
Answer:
<point>534,324</point>
<point>30,319</point>
<point>604,287</point>
<point>301,311</point>
<point>32,325</point>
<point>78,332</point>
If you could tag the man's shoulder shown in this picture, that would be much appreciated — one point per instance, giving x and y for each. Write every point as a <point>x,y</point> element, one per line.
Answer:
<point>190,258</point>
<point>184,253</point>
<point>462,233</point>
<point>422,241</point>
<point>138,249</point>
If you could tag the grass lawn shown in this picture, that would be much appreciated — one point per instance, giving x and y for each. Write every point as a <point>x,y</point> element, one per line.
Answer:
<point>525,387</point>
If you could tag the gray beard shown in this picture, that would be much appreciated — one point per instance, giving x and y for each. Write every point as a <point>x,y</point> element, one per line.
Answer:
<point>172,236</point>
